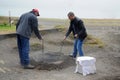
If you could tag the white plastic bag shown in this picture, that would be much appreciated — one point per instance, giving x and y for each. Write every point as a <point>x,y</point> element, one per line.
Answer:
<point>85,65</point>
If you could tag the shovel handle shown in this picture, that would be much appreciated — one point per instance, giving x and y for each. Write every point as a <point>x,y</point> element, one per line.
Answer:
<point>61,47</point>
<point>42,46</point>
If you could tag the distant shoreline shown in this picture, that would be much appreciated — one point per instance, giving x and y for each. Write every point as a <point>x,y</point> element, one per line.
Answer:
<point>66,18</point>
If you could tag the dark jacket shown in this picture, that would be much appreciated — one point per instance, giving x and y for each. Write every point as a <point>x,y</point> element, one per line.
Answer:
<point>77,27</point>
<point>27,24</point>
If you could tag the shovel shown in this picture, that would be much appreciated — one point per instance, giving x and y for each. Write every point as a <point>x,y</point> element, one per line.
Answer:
<point>61,47</point>
<point>42,46</point>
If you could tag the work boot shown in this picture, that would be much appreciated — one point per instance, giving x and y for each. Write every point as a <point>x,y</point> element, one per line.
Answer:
<point>29,66</point>
<point>72,56</point>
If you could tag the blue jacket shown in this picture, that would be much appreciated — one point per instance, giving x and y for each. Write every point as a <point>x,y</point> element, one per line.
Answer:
<point>27,24</point>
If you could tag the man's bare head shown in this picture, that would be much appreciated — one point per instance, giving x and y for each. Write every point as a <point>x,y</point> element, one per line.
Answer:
<point>71,15</point>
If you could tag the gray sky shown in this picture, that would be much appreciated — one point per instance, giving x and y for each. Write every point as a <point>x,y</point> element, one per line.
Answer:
<point>60,8</point>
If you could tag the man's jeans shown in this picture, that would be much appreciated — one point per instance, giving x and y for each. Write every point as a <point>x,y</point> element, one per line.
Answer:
<point>23,48</point>
<point>77,48</point>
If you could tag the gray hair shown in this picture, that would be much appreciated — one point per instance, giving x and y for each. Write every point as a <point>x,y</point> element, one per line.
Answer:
<point>71,14</point>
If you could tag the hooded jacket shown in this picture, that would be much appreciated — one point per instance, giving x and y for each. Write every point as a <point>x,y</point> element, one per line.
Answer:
<point>27,24</point>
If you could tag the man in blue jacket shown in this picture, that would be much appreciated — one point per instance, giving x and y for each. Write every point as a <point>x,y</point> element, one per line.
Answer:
<point>79,32</point>
<point>27,24</point>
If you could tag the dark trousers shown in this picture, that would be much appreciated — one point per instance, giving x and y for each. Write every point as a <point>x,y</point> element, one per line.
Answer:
<point>23,48</point>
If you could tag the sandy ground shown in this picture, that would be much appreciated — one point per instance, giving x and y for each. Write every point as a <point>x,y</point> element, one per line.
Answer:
<point>108,58</point>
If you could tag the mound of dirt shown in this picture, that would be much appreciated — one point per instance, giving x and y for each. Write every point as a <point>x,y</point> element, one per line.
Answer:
<point>52,61</point>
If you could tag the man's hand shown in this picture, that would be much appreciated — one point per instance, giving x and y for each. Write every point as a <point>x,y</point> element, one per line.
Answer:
<point>76,35</point>
<point>64,38</point>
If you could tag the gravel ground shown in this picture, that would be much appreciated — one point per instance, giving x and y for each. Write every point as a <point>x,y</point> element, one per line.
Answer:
<point>108,58</point>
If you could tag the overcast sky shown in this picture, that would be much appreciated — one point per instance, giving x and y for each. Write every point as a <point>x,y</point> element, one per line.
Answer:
<point>60,8</point>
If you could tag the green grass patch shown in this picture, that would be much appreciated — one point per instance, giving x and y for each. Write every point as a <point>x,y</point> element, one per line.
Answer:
<point>5,28</point>
<point>94,41</point>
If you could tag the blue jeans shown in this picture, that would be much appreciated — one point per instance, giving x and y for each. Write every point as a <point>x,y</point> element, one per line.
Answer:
<point>23,48</point>
<point>77,48</point>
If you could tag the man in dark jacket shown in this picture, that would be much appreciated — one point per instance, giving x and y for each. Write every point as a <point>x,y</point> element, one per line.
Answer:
<point>79,32</point>
<point>27,24</point>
